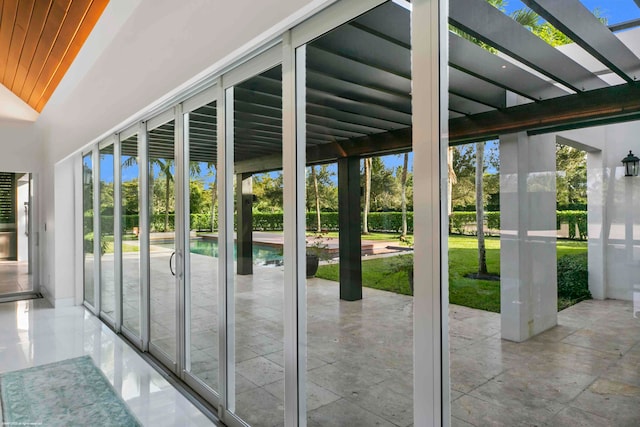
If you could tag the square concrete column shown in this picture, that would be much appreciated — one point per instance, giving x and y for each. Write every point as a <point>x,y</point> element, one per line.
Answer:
<point>244,236</point>
<point>349,228</point>
<point>527,235</point>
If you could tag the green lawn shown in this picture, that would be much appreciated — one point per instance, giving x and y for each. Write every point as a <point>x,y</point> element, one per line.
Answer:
<point>463,259</point>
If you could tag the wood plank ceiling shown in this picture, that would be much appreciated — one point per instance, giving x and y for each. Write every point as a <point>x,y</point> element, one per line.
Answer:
<point>39,39</point>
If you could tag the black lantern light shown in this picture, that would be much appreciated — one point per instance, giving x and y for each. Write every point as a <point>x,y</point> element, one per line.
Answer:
<point>630,164</point>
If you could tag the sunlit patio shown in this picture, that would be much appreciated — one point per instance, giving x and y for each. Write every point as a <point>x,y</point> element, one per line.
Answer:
<point>585,371</point>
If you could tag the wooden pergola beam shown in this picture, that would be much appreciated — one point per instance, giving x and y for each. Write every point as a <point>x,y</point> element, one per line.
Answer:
<point>596,107</point>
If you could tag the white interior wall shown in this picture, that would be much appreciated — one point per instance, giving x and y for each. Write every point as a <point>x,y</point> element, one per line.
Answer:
<point>20,147</point>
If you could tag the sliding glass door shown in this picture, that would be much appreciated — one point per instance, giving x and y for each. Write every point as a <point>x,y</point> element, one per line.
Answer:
<point>201,259</point>
<point>163,262</point>
<point>131,210</point>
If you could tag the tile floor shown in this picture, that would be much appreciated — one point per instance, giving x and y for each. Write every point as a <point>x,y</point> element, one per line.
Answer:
<point>33,334</point>
<point>14,277</point>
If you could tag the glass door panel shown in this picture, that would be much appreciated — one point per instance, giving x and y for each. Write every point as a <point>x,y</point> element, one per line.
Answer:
<point>257,359</point>
<point>162,243</point>
<point>359,314</point>
<point>202,259</point>
<point>107,266</point>
<point>130,222</point>
<point>87,228</point>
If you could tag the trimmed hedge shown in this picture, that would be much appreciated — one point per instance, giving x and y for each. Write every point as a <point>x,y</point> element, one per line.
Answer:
<point>459,222</point>
<point>378,221</point>
<point>573,277</point>
<point>573,219</point>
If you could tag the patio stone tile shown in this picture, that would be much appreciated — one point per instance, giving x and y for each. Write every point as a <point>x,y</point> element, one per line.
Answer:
<point>482,413</point>
<point>205,338</point>
<point>259,408</point>
<point>574,417</point>
<point>243,384</point>
<point>343,413</point>
<point>455,394</point>
<point>534,388</point>
<point>260,371</point>
<point>617,402</point>
<point>609,342</point>
<point>457,422</point>
<point>346,380</point>
<point>555,334</point>
<point>467,373</point>
<point>390,399</point>
<point>626,370</point>
<point>316,396</point>
<point>278,358</point>
<point>245,353</point>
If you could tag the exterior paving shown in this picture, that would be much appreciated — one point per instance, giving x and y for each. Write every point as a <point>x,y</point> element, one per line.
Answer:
<point>585,371</point>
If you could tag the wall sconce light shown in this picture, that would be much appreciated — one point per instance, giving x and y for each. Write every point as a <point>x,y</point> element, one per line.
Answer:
<point>630,164</point>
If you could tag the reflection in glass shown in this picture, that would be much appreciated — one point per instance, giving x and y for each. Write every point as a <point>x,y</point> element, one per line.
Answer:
<point>130,221</point>
<point>203,237</point>
<point>87,228</point>
<point>161,169</point>
<point>107,282</point>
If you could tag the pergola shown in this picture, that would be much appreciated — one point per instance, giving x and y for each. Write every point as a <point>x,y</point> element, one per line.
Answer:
<point>358,98</point>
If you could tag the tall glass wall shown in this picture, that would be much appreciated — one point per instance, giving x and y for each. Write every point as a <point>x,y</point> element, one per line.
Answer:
<point>258,361</point>
<point>87,228</point>
<point>130,223</point>
<point>202,256</point>
<point>107,266</point>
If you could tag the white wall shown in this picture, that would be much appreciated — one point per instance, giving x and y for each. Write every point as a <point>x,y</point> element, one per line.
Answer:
<point>20,147</point>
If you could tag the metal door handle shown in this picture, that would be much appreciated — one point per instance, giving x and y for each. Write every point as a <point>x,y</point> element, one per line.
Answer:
<point>170,263</point>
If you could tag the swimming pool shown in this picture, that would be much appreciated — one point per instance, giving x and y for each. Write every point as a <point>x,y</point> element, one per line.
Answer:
<point>262,254</point>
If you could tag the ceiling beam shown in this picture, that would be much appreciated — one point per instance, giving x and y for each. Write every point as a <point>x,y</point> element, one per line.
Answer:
<point>613,104</point>
<point>581,26</point>
<point>392,142</point>
<point>488,24</point>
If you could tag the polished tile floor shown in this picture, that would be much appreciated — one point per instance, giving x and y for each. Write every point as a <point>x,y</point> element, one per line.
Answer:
<point>33,333</point>
<point>14,277</point>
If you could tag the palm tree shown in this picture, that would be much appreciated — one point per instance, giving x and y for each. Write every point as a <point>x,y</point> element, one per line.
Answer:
<point>403,183</point>
<point>165,167</point>
<point>314,176</point>
<point>367,195</point>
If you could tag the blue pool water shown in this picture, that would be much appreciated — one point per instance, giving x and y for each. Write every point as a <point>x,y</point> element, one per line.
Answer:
<point>262,254</point>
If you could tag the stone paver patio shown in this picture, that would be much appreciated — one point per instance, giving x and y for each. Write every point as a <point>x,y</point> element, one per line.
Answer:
<point>585,371</point>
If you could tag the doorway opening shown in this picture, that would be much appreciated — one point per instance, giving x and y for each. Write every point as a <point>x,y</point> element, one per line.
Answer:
<point>16,266</point>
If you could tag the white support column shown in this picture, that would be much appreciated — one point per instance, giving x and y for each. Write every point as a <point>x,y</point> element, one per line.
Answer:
<point>528,235</point>
<point>429,58</point>
<point>596,180</point>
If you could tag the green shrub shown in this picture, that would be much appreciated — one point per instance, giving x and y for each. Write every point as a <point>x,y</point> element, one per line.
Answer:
<point>573,277</point>
<point>573,219</point>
